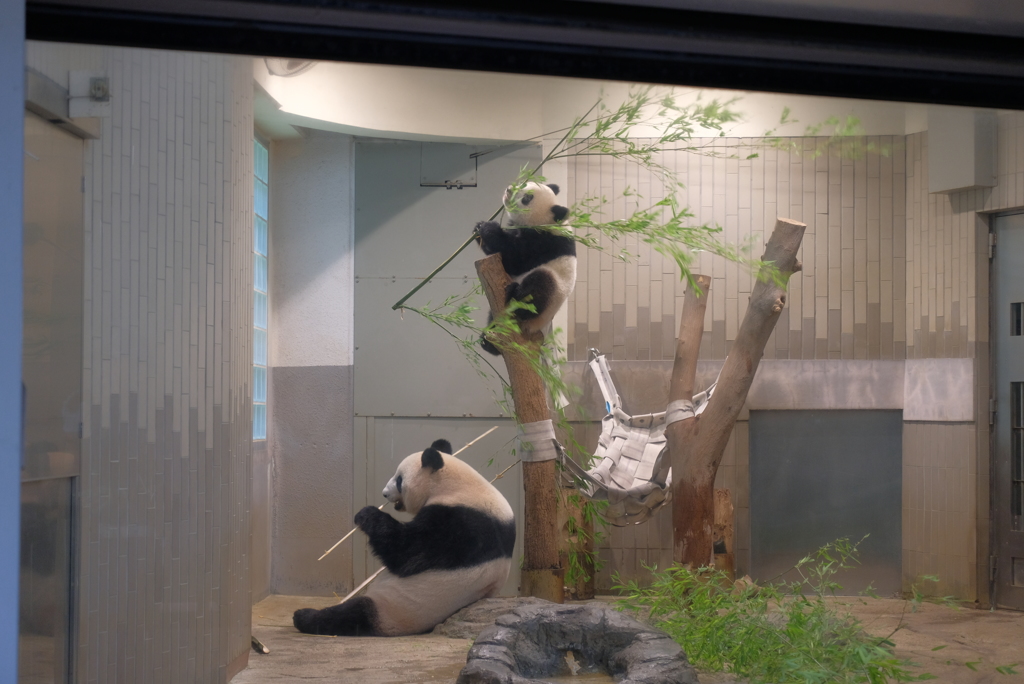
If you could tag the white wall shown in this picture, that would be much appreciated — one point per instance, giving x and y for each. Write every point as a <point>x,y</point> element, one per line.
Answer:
<point>407,102</point>
<point>311,354</point>
<point>436,104</point>
<point>312,187</point>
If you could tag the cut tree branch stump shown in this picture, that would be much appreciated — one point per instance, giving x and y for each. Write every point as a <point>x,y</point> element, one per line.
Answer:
<point>696,444</point>
<point>542,573</point>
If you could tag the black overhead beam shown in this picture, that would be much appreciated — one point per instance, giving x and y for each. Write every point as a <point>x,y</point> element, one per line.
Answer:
<point>570,38</point>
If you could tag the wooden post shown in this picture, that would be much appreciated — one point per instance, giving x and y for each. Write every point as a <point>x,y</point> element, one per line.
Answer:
<point>696,444</point>
<point>542,574</point>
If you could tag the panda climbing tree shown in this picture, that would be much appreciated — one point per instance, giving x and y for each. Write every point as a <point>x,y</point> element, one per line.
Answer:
<point>536,255</point>
<point>532,266</point>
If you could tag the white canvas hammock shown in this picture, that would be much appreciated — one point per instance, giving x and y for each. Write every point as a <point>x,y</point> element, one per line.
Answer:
<point>631,470</point>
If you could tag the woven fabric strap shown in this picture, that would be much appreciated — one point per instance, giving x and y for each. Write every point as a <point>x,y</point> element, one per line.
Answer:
<point>537,441</point>
<point>679,410</point>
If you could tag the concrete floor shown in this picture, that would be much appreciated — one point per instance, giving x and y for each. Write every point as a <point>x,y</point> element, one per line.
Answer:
<point>986,639</point>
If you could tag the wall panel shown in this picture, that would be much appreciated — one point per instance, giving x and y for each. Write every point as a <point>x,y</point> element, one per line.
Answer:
<point>163,592</point>
<point>844,304</point>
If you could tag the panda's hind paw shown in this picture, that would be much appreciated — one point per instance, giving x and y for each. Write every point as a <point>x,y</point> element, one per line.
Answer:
<point>304,620</point>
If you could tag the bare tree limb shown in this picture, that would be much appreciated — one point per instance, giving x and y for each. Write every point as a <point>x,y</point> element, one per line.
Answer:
<point>691,327</point>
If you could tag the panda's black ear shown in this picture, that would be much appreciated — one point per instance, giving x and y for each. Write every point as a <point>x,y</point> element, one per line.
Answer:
<point>442,445</point>
<point>554,187</point>
<point>559,212</point>
<point>432,459</point>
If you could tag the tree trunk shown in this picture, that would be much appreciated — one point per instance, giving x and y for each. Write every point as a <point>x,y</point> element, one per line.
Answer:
<point>542,573</point>
<point>696,444</point>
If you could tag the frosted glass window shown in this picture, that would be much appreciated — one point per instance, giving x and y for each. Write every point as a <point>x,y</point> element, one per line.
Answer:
<point>260,310</point>
<point>260,238</point>
<point>260,200</point>
<point>259,421</point>
<point>261,286</point>
<point>261,161</point>
<point>259,347</point>
<point>259,272</point>
<point>259,384</point>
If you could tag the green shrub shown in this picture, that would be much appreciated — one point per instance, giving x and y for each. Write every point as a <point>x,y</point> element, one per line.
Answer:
<point>775,632</point>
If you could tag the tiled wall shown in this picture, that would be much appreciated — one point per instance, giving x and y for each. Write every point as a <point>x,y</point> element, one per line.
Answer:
<point>944,258</point>
<point>941,300</point>
<point>940,485</point>
<point>847,303</point>
<point>165,484</point>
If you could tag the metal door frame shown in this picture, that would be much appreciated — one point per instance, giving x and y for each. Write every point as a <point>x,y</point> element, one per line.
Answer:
<point>1001,591</point>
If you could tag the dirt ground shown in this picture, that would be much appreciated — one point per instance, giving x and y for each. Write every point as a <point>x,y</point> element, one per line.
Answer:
<point>985,639</point>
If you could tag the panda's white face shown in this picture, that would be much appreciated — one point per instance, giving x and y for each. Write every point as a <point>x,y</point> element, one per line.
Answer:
<point>535,204</point>
<point>436,477</point>
<point>404,481</point>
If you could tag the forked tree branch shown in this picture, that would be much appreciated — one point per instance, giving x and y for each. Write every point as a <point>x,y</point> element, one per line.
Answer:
<point>696,444</point>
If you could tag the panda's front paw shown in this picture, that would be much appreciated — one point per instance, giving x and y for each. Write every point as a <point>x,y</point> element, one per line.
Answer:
<point>488,235</point>
<point>488,346</point>
<point>365,517</point>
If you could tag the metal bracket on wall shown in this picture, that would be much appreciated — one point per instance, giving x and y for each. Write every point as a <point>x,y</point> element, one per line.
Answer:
<point>992,411</point>
<point>48,99</point>
<point>993,563</point>
<point>448,162</point>
<point>991,245</point>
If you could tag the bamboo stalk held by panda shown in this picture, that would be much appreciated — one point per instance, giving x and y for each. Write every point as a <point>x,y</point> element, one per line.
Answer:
<point>365,582</point>
<point>381,507</point>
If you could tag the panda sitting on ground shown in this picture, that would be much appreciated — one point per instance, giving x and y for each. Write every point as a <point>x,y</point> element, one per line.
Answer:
<point>455,551</point>
<point>541,263</point>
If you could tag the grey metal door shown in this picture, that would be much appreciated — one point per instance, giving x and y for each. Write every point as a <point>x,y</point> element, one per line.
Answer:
<point>1008,387</point>
<point>817,476</point>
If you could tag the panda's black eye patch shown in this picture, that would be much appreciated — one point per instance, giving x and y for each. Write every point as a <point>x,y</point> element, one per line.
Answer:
<point>398,484</point>
<point>527,198</point>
